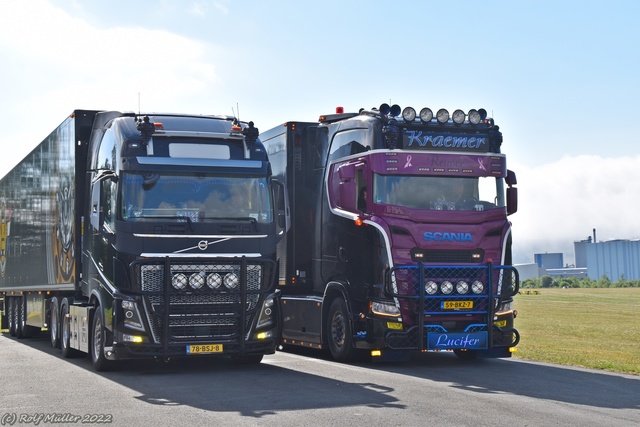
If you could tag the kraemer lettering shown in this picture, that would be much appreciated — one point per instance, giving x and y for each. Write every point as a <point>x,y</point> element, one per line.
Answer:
<point>417,139</point>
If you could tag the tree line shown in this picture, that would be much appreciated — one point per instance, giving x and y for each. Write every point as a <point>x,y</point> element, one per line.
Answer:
<point>575,282</point>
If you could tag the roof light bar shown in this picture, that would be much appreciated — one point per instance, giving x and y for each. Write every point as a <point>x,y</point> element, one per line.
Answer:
<point>409,114</point>
<point>442,116</point>
<point>458,117</point>
<point>426,115</point>
<point>474,117</point>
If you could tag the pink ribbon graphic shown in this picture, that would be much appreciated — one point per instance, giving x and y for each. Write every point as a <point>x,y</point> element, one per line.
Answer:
<point>408,164</point>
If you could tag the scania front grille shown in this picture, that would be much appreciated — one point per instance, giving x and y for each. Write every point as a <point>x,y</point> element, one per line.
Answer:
<point>453,298</point>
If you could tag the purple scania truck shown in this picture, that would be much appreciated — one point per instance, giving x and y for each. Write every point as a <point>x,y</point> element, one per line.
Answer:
<point>398,239</point>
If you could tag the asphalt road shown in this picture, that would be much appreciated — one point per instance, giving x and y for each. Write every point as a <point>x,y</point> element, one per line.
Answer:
<point>39,387</point>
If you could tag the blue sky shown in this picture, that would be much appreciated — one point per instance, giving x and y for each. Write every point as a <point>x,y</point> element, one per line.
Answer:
<point>559,77</point>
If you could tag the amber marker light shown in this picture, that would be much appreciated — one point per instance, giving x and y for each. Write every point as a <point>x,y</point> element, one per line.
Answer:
<point>358,221</point>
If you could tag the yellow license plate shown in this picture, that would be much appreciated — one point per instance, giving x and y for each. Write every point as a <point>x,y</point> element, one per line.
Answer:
<point>457,305</point>
<point>205,348</point>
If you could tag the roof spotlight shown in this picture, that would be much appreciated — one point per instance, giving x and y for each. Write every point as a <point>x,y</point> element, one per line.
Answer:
<point>458,117</point>
<point>395,110</point>
<point>409,114</point>
<point>442,115</point>
<point>385,109</point>
<point>474,117</point>
<point>426,115</point>
<point>483,113</point>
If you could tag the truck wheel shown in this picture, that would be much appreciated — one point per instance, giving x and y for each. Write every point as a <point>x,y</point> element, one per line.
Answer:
<point>25,330</point>
<point>339,332</point>
<point>100,362</point>
<point>54,323</point>
<point>17,316</point>
<point>10,317</point>
<point>65,338</point>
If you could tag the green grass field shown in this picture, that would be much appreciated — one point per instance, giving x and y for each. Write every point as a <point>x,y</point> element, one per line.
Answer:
<point>594,328</point>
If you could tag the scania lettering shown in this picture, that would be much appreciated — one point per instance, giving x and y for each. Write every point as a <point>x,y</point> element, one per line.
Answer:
<point>398,240</point>
<point>143,236</point>
<point>451,237</point>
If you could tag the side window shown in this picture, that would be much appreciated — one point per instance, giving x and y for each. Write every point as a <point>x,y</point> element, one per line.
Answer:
<point>107,152</point>
<point>109,202</point>
<point>349,142</point>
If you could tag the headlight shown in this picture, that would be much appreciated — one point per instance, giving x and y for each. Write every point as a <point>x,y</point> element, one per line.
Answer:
<point>426,115</point>
<point>409,114</point>
<point>132,317</point>
<point>477,287</point>
<point>431,288</point>
<point>384,309</point>
<point>458,117</point>
<point>474,117</point>
<point>506,306</point>
<point>179,281</point>
<point>214,280</point>
<point>446,287</point>
<point>462,287</point>
<point>196,280</point>
<point>266,314</point>
<point>231,280</point>
<point>442,116</point>
<point>128,305</point>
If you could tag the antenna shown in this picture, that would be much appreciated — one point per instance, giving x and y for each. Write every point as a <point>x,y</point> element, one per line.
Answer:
<point>234,112</point>
<point>138,102</point>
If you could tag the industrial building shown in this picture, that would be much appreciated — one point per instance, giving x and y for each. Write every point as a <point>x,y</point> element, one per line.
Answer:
<point>615,259</point>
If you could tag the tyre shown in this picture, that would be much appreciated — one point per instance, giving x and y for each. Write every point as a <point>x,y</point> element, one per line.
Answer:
<point>98,336</point>
<point>25,330</point>
<point>18,314</point>
<point>54,323</point>
<point>65,331</point>
<point>11,320</point>
<point>339,333</point>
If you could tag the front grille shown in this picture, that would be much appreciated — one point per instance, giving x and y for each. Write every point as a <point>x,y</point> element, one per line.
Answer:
<point>204,313</point>
<point>434,299</point>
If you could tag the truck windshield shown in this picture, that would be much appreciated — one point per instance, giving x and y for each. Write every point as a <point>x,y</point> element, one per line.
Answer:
<point>183,197</point>
<point>439,192</point>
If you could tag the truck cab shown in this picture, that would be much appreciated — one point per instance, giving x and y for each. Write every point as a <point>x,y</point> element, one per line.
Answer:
<point>405,220</point>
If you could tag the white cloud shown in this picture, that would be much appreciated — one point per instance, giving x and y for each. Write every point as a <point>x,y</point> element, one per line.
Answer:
<point>59,63</point>
<point>563,201</point>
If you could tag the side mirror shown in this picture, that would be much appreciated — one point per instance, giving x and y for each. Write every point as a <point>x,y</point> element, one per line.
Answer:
<point>281,205</point>
<point>512,200</point>
<point>97,218</point>
<point>512,192</point>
